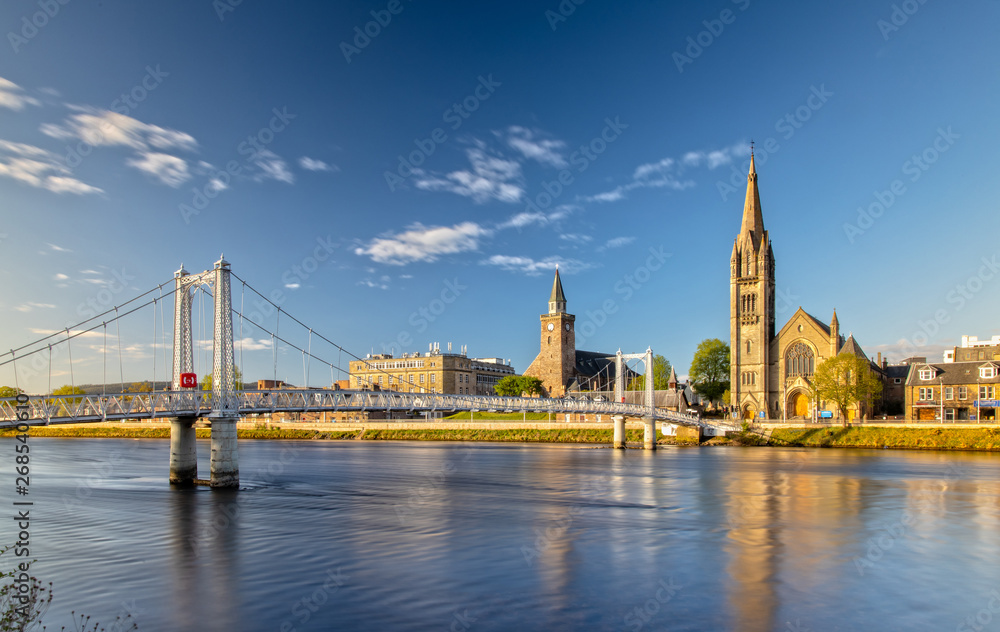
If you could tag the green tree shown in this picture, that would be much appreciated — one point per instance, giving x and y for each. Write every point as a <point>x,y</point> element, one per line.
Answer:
<point>139,387</point>
<point>661,376</point>
<point>710,369</point>
<point>845,380</point>
<point>516,385</point>
<point>62,392</point>
<point>10,391</point>
<point>206,382</point>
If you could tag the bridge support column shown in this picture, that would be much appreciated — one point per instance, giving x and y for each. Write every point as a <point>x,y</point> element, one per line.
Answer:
<point>225,455</point>
<point>619,441</point>
<point>183,451</point>
<point>649,436</point>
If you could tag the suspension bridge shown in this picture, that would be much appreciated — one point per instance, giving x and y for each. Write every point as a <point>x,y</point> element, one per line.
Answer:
<point>184,402</point>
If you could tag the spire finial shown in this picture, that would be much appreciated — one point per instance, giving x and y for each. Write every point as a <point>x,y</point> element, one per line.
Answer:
<point>751,148</point>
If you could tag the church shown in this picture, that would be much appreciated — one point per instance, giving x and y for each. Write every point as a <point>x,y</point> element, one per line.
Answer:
<point>770,373</point>
<point>562,368</point>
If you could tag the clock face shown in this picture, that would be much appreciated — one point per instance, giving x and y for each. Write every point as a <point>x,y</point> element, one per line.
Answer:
<point>551,327</point>
<point>567,326</point>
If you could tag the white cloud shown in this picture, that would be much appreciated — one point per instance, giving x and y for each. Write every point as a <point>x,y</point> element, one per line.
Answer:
<point>98,127</point>
<point>169,170</point>
<point>249,344</point>
<point>617,242</point>
<point>527,218</point>
<point>421,243</point>
<point>541,150</point>
<point>381,284</point>
<point>12,96</point>
<point>39,168</point>
<point>58,248</point>
<point>272,167</point>
<point>717,157</point>
<point>668,172</point>
<point>60,277</point>
<point>576,238</point>
<point>29,306</point>
<point>311,164</point>
<point>490,177</point>
<point>532,267</point>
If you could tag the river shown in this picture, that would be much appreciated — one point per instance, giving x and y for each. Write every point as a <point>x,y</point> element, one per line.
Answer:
<point>473,536</point>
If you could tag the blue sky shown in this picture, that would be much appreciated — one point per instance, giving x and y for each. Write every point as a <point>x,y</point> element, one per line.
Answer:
<point>420,182</point>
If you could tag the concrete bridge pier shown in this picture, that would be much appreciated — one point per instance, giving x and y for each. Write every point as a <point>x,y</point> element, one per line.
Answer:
<point>225,455</point>
<point>183,451</point>
<point>649,436</point>
<point>619,441</point>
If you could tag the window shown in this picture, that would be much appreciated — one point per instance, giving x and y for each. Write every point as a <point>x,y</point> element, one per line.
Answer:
<point>963,392</point>
<point>987,372</point>
<point>949,392</point>
<point>949,414</point>
<point>926,374</point>
<point>926,394</point>
<point>897,380</point>
<point>982,355</point>
<point>799,360</point>
<point>433,376</point>
<point>421,378</point>
<point>748,346</point>
<point>358,381</point>
<point>986,392</point>
<point>380,380</point>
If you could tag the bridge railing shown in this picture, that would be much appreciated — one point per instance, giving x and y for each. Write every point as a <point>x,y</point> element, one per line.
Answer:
<point>47,409</point>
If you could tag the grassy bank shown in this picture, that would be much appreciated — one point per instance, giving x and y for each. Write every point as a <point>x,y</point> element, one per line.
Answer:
<point>865,437</point>
<point>906,438</point>
<point>467,416</point>
<point>164,433</point>
<point>513,435</point>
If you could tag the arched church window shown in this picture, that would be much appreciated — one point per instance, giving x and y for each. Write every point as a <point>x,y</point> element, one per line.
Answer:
<point>799,360</point>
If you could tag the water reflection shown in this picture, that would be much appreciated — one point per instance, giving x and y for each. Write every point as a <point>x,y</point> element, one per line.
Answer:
<point>754,539</point>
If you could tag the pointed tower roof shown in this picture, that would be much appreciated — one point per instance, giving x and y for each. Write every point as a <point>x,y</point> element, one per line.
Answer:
<point>557,290</point>
<point>853,348</point>
<point>672,382</point>
<point>557,300</point>
<point>833,321</point>
<point>753,218</point>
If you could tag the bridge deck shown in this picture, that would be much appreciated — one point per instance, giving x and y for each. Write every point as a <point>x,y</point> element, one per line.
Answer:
<point>49,409</point>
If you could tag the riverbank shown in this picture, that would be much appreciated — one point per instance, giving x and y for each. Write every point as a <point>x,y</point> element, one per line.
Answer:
<point>936,437</point>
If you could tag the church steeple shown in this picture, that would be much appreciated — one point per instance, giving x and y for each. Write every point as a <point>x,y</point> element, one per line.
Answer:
<point>753,218</point>
<point>751,309</point>
<point>557,301</point>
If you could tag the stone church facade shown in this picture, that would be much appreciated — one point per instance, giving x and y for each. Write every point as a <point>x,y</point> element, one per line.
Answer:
<point>771,372</point>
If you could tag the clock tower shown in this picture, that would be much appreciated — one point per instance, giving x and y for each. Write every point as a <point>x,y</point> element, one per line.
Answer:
<point>555,364</point>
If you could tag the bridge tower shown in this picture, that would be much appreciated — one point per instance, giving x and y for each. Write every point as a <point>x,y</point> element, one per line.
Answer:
<point>649,401</point>
<point>225,406</point>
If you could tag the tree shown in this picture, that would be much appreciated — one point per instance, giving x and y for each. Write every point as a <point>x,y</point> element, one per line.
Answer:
<point>516,385</point>
<point>10,391</point>
<point>845,380</point>
<point>63,391</point>
<point>710,369</point>
<point>661,376</point>
<point>206,382</point>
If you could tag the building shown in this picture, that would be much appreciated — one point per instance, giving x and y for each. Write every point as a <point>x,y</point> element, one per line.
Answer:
<point>953,391</point>
<point>431,372</point>
<point>562,368</point>
<point>973,349</point>
<point>771,372</point>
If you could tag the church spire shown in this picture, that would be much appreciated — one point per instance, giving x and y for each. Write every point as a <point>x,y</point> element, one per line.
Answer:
<point>557,301</point>
<point>753,219</point>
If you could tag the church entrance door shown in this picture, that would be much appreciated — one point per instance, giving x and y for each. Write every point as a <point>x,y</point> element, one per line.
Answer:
<point>800,405</point>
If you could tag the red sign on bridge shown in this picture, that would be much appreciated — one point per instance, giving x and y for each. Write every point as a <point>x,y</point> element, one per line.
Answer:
<point>189,380</point>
